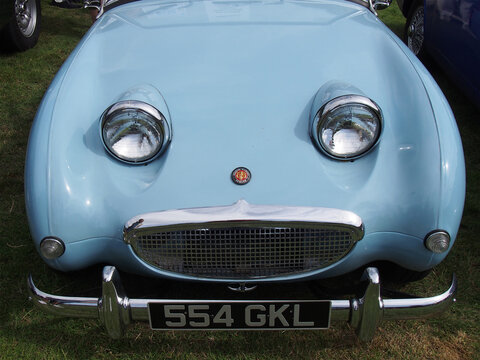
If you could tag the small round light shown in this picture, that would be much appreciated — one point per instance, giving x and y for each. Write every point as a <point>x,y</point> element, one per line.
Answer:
<point>437,242</point>
<point>134,131</point>
<point>52,248</point>
<point>347,127</point>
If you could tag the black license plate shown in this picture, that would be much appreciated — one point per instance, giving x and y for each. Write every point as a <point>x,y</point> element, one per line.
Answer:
<point>239,315</point>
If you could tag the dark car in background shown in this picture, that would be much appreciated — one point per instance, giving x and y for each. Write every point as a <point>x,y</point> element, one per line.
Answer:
<point>449,32</point>
<point>20,22</point>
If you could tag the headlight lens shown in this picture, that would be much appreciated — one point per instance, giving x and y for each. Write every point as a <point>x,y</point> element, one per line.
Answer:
<point>134,131</point>
<point>347,127</point>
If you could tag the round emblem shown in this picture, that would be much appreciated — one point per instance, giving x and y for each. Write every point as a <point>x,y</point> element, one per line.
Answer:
<point>241,176</point>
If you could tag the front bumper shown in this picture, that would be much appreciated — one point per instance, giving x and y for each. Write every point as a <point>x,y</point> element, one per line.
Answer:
<point>115,310</point>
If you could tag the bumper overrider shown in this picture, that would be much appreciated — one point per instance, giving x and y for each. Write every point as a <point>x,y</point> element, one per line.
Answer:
<point>115,310</point>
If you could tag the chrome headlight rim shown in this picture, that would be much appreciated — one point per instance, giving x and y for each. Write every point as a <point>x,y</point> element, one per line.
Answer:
<point>335,104</point>
<point>142,107</point>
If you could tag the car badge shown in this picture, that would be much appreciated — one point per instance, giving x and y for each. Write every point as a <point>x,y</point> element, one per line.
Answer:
<point>241,176</point>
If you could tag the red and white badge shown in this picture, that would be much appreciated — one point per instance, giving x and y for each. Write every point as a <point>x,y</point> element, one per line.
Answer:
<point>241,176</point>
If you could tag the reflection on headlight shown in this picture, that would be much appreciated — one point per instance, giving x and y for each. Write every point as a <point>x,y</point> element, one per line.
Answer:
<point>133,131</point>
<point>348,126</point>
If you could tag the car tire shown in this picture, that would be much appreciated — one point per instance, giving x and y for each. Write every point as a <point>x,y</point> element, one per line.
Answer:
<point>22,32</point>
<point>414,33</point>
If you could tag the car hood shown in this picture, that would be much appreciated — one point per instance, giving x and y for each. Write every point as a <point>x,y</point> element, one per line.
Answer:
<point>239,79</point>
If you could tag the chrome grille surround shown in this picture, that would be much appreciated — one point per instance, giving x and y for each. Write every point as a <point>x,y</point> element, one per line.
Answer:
<point>243,241</point>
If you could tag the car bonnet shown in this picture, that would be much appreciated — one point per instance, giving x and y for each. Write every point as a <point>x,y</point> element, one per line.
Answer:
<point>239,80</point>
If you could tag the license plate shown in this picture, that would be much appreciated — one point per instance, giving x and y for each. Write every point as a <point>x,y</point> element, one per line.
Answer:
<point>239,315</point>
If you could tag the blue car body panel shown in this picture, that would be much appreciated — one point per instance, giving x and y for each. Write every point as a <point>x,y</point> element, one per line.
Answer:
<point>237,80</point>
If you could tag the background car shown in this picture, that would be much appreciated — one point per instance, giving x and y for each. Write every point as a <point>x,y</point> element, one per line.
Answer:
<point>20,22</point>
<point>448,31</point>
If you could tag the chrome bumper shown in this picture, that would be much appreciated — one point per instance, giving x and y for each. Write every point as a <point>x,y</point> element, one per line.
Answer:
<point>115,310</point>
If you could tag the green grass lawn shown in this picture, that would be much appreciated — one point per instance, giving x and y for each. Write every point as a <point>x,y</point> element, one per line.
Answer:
<point>25,333</point>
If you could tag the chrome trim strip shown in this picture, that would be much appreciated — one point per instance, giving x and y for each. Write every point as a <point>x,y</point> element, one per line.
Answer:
<point>364,314</point>
<point>243,211</point>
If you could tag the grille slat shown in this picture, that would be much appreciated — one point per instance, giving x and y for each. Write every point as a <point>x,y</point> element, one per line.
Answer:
<point>243,252</point>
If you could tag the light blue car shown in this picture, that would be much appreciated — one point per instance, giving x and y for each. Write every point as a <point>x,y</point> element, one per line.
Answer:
<point>244,142</point>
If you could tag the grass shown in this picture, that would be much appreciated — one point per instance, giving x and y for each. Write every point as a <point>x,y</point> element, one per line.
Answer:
<point>26,333</point>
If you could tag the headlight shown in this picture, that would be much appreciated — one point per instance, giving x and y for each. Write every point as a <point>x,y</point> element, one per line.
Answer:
<point>347,126</point>
<point>134,131</point>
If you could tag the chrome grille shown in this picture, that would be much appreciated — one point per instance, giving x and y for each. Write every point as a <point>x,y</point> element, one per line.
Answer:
<point>245,250</point>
